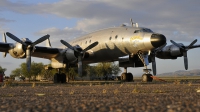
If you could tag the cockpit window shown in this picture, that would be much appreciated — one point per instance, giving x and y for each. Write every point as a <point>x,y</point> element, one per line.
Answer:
<point>136,31</point>
<point>143,30</point>
<point>147,30</point>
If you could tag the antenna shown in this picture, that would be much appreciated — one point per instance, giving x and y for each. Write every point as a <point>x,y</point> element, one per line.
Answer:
<point>136,25</point>
<point>132,22</point>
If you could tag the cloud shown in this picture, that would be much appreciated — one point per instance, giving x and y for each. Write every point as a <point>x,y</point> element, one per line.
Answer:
<point>56,34</point>
<point>3,20</point>
<point>164,17</point>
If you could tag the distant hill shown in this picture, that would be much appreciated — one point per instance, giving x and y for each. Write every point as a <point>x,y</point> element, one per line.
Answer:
<point>195,72</point>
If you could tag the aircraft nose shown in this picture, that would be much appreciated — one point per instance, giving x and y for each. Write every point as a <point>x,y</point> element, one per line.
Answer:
<point>158,40</point>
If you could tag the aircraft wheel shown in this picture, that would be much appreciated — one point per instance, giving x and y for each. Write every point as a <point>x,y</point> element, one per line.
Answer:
<point>63,78</point>
<point>124,76</point>
<point>56,78</point>
<point>150,78</point>
<point>129,77</point>
<point>147,78</point>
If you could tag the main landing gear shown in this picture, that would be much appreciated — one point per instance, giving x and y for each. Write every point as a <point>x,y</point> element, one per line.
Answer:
<point>59,77</point>
<point>126,76</point>
<point>146,77</point>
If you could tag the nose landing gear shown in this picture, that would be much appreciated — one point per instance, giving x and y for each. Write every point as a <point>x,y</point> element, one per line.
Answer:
<point>147,77</point>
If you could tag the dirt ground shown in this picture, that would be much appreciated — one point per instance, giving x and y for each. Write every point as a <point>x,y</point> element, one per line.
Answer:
<point>124,97</point>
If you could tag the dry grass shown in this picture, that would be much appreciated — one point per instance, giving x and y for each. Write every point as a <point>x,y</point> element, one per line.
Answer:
<point>104,91</point>
<point>71,92</point>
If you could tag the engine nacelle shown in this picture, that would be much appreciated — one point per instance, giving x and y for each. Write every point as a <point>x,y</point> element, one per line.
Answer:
<point>17,51</point>
<point>70,55</point>
<point>169,52</point>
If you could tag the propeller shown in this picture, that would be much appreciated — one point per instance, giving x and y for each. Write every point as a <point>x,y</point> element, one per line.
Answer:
<point>28,46</point>
<point>153,57</point>
<point>184,50</point>
<point>5,41</point>
<point>153,60</point>
<point>80,53</point>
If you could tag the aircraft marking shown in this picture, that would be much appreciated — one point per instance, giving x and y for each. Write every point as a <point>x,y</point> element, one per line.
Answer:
<point>136,37</point>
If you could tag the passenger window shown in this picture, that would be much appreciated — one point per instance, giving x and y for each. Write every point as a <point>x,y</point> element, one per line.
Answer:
<point>116,36</point>
<point>136,31</point>
<point>90,41</point>
<point>110,38</point>
<point>85,42</point>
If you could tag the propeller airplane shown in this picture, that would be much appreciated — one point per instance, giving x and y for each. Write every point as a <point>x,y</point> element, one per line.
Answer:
<point>131,46</point>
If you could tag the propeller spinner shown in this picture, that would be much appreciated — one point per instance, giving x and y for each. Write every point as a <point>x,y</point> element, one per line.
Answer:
<point>28,46</point>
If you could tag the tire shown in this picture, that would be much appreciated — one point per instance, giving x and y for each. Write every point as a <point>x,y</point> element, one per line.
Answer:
<point>124,76</point>
<point>56,78</point>
<point>63,78</point>
<point>150,79</point>
<point>144,78</point>
<point>129,77</point>
<point>147,78</point>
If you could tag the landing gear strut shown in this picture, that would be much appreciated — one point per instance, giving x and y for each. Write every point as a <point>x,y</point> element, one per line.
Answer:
<point>59,77</point>
<point>126,76</point>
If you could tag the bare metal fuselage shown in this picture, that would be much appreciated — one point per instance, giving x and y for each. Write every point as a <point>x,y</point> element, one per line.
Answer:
<point>115,43</point>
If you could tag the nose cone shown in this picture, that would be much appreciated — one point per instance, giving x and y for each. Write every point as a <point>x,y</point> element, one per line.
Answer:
<point>158,40</point>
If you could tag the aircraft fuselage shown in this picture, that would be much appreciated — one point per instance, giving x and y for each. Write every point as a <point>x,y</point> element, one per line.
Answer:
<point>117,42</point>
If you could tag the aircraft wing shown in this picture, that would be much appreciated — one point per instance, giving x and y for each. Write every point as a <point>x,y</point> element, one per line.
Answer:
<point>45,52</point>
<point>40,52</point>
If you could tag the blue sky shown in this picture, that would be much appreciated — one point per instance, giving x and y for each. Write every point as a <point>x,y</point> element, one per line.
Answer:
<point>68,19</point>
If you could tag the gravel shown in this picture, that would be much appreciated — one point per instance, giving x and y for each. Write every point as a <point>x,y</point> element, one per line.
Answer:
<point>126,97</point>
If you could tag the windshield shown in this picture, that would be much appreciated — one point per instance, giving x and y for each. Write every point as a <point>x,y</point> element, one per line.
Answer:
<point>143,30</point>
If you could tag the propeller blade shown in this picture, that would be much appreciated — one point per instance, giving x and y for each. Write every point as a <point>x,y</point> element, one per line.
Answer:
<point>66,44</point>
<point>80,66</point>
<point>160,48</point>
<point>5,41</point>
<point>176,44</point>
<point>15,38</point>
<point>40,40</point>
<point>192,43</point>
<point>153,64</point>
<point>28,58</point>
<point>4,38</point>
<point>48,43</point>
<point>90,46</point>
<point>185,60</point>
